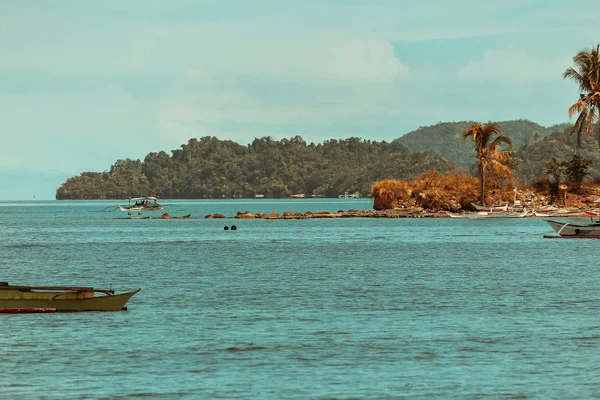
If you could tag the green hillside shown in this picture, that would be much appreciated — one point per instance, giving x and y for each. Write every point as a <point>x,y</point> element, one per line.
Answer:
<point>446,138</point>
<point>560,145</point>
<point>213,168</point>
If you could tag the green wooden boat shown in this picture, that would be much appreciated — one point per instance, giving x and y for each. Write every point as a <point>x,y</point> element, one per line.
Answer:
<point>61,298</point>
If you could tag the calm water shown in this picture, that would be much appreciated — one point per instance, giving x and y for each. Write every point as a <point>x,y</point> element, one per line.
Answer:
<point>296,309</point>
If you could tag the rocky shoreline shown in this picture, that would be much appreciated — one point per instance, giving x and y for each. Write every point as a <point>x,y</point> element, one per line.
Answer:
<point>393,213</point>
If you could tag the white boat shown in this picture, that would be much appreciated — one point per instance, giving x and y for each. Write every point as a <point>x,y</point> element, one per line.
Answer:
<point>346,195</point>
<point>568,229</point>
<point>485,214</point>
<point>508,214</point>
<point>480,207</point>
<point>467,215</point>
<point>139,205</point>
<point>561,213</point>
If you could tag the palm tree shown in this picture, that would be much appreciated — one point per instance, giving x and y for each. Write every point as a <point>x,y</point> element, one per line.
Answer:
<point>487,150</point>
<point>586,74</point>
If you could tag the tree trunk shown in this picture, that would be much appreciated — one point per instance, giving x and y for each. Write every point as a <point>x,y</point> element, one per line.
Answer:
<point>481,183</point>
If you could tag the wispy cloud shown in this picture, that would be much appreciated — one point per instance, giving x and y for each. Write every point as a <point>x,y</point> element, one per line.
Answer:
<point>513,64</point>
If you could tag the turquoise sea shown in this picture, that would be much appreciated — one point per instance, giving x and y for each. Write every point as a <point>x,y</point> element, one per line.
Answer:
<point>300,309</point>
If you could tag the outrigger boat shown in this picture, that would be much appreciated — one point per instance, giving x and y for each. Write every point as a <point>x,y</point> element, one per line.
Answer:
<point>139,205</point>
<point>14,299</point>
<point>569,230</point>
<point>479,207</point>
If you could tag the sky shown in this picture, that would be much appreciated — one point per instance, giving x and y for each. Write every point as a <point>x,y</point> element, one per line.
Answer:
<point>85,83</point>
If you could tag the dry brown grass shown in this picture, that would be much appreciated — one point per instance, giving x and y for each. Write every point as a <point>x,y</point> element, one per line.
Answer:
<point>430,190</point>
<point>451,191</point>
<point>390,193</point>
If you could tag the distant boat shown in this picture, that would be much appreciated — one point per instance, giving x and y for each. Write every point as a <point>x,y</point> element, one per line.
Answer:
<point>139,205</point>
<point>485,214</point>
<point>17,299</point>
<point>480,207</point>
<point>149,203</point>
<point>522,214</point>
<point>468,215</point>
<point>561,213</point>
<point>354,195</point>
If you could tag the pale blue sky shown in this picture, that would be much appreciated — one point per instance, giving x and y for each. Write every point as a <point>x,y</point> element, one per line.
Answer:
<point>84,83</point>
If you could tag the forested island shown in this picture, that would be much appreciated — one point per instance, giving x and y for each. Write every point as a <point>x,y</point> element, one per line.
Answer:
<point>213,168</point>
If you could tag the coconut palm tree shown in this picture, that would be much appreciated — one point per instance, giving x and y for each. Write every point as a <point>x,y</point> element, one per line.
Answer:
<point>487,150</point>
<point>586,74</point>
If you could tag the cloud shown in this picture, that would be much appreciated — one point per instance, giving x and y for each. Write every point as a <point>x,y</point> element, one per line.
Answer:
<point>513,64</point>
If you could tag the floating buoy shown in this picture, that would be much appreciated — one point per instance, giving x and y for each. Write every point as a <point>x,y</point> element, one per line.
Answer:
<point>233,227</point>
<point>226,228</point>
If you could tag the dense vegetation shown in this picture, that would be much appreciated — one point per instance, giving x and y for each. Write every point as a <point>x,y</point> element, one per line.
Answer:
<point>213,168</point>
<point>560,146</point>
<point>446,138</point>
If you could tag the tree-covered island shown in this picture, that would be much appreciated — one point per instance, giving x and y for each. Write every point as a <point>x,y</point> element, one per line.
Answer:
<point>430,160</point>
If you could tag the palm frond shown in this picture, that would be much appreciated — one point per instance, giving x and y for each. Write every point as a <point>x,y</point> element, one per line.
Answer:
<point>578,107</point>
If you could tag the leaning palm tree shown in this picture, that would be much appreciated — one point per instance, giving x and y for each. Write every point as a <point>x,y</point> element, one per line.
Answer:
<point>487,150</point>
<point>586,74</point>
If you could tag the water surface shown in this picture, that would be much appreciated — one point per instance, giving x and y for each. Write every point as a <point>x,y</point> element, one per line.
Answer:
<point>295,309</point>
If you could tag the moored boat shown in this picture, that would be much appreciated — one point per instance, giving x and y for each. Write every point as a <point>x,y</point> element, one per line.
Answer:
<point>61,298</point>
<point>508,214</point>
<point>480,207</point>
<point>139,204</point>
<point>568,229</point>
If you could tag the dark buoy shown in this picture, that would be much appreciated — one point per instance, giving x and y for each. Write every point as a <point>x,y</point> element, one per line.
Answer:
<point>233,227</point>
<point>226,228</point>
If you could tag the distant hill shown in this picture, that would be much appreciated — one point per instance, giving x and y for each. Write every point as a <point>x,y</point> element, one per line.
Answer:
<point>561,145</point>
<point>446,138</point>
<point>213,168</point>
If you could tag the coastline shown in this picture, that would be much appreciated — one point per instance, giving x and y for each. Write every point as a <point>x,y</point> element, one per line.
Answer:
<point>396,213</point>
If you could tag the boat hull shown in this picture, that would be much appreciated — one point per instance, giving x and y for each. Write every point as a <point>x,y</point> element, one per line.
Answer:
<point>565,229</point>
<point>83,301</point>
<point>140,209</point>
<point>480,207</point>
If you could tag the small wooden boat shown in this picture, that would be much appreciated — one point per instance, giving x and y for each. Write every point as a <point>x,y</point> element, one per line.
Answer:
<point>480,207</point>
<point>347,195</point>
<point>567,229</point>
<point>140,204</point>
<point>60,298</point>
<point>508,214</point>
<point>467,214</point>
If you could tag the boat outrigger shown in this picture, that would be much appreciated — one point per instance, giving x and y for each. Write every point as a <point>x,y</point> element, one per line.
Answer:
<point>15,299</point>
